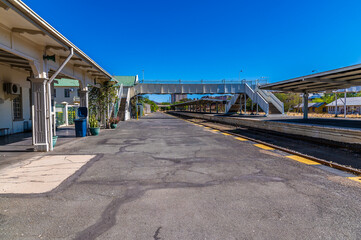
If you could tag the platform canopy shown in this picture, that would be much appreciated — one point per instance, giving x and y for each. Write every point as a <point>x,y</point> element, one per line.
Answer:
<point>200,101</point>
<point>340,78</point>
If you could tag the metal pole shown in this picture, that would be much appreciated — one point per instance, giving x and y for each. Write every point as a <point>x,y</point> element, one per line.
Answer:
<point>305,106</point>
<point>336,104</point>
<point>344,106</point>
<point>245,104</point>
<point>136,105</point>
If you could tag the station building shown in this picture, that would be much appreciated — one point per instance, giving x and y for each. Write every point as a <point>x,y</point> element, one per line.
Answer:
<point>317,107</point>
<point>32,55</point>
<point>353,106</point>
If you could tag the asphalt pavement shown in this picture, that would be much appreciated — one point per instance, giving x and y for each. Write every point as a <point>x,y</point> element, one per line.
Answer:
<point>164,178</point>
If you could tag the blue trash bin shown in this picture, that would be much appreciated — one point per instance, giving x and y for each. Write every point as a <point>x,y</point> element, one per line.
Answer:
<point>80,127</point>
<point>80,123</point>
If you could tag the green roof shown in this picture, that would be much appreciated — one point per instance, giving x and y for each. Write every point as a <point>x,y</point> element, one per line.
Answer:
<point>66,82</point>
<point>127,81</point>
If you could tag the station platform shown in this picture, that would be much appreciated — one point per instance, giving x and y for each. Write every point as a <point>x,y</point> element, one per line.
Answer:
<point>343,131</point>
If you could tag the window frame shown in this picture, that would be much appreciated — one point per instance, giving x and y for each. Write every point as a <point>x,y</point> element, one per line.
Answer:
<point>66,90</point>
<point>18,109</point>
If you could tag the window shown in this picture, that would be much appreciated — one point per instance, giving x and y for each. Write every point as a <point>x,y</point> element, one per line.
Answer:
<point>18,107</point>
<point>54,92</point>
<point>67,93</point>
<point>78,92</point>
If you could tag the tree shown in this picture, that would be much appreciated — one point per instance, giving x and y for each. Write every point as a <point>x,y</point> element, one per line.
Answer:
<point>101,100</point>
<point>289,100</point>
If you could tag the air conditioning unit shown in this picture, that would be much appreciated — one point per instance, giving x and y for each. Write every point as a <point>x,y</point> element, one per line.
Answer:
<point>12,88</point>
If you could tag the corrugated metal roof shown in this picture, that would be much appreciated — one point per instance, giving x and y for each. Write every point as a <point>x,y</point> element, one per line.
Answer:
<point>340,78</point>
<point>350,101</point>
<point>127,81</point>
<point>66,82</point>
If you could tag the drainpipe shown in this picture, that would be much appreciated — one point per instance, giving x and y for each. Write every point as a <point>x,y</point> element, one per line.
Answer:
<point>49,96</point>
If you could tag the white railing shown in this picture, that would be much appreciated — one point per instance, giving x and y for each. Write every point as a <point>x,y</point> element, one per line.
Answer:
<point>271,98</point>
<point>231,102</point>
<point>257,98</point>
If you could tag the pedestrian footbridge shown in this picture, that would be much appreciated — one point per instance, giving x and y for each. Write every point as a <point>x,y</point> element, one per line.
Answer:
<point>241,91</point>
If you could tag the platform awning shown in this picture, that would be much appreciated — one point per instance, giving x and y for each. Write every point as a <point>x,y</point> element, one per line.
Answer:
<point>319,82</point>
<point>200,101</point>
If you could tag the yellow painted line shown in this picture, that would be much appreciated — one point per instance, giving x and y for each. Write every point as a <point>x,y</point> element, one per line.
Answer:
<point>227,134</point>
<point>264,147</point>
<point>303,160</point>
<point>240,139</point>
<point>206,127</point>
<point>357,179</point>
<point>214,130</point>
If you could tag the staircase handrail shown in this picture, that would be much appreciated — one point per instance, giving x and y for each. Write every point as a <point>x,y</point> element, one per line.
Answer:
<point>272,98</point>
<point>231,102</point>
<point>257,98</point>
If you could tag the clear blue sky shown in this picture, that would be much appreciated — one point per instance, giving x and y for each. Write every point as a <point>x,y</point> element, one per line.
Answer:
<point>193,40</point>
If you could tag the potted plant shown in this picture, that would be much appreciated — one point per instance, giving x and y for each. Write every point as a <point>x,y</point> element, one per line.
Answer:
<point>94,125</point>
<point>55,138</point>
<point>114,122</point>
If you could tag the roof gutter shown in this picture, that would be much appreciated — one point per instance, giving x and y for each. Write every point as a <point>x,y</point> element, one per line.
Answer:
<point>35,19</point>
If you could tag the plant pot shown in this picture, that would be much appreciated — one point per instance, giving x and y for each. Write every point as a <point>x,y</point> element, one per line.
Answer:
<point>55,138</point>
<point>95,131</point>
<point>113,125</point>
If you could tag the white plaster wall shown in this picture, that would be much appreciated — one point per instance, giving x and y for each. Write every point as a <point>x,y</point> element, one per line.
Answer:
<point>9,75</point>
<point>60,97</point>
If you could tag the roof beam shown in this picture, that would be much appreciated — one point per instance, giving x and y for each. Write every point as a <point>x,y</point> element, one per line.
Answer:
<point>82,65</point>
<point>21,66</point>
<point>55,48</point>
<point>28,31</point>
<point>341,74</point>
<point>11,56</point>
<point>73,58</point>
<point>4,6</point>
<point>13,61</point>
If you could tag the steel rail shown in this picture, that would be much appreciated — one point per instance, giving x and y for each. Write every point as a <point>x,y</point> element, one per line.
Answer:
<point>319,160</point>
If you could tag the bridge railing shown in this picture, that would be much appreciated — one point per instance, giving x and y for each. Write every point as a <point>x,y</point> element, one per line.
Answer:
<point>219,81</point>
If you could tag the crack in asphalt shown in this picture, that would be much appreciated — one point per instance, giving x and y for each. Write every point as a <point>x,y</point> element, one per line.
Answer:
<point>134,192</point>
<point>155,236</point>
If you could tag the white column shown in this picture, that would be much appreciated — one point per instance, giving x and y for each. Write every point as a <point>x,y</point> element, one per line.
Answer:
<point>305,106</point>
<point>40,117</point>
<point>66,114</point>
<point>127,106</point>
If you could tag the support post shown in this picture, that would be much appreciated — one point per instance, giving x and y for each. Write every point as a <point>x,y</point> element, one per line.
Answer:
<point>210,107</point>
<point>305,106</point>
<point>245,104</point>
<point>345,106</point>
<point>217,107</point>
<point>240,104</point>
<point>66,114</point>
<point>336,112</point>
<point>41,122</point>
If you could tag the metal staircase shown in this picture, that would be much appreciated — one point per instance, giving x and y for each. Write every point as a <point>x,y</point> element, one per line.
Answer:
<point>266,100</point>
<point>275,105</point>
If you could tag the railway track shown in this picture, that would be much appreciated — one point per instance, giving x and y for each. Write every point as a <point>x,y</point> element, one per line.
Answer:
<point>338,158</point>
